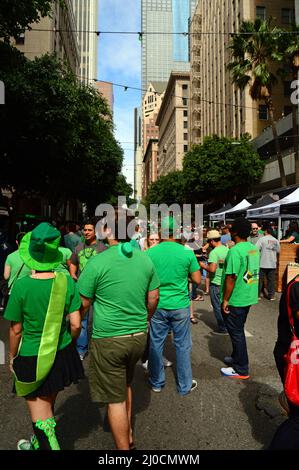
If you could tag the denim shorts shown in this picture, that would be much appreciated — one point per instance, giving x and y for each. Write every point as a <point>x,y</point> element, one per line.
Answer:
<point>112,364</point>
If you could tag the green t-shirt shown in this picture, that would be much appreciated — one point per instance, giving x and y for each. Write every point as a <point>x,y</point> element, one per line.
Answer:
<point>243,260</point>
<point>67,254</point>
<point>217,256</point>
<point>28,304</point>
<point>296,236</point>
<point>15,262</point>
<point>119,285</point>
<point>173,262</point>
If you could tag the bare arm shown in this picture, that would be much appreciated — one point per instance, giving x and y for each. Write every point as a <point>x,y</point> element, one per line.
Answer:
<point>288,240</point>
<point>211,267</point>
<point>73,270</point>
<point>15,335</point>
<point>152,302</point>
<point>75,323</point>
<point>229,285</point>
<point>196,277</point>
<point>85,305</point>
<point>6,274</point>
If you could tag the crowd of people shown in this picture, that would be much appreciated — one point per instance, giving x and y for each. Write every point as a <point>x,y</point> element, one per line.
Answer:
<point>137,290</point>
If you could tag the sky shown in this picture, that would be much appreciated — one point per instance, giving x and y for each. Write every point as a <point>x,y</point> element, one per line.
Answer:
<point>119,61</point>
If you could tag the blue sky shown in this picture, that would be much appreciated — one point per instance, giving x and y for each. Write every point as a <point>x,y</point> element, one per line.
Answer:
<point>119,61</point>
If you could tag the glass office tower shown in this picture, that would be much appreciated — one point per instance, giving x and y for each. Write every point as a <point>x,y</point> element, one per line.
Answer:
<point>162,53</point>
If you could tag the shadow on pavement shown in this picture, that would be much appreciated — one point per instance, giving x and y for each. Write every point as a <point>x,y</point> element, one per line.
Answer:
<point>77,416</point>
<point>259,402</point>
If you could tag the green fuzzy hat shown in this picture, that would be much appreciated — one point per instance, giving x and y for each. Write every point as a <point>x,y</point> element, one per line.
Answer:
<point>39,248</point>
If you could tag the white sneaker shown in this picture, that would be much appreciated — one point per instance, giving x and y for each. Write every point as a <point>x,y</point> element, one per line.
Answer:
<point>231,373</point>
<point>145,365</point>
<point>24,444</point>
<point>166,362</point>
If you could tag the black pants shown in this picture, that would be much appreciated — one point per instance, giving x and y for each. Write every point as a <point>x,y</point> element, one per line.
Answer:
<point>270,276</point>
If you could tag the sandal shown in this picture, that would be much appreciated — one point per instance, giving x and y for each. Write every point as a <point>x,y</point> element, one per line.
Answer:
<point>194,321</point>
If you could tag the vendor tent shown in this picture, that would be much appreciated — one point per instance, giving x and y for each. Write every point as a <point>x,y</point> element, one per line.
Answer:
<point>241,207</point>
<point>274,210</point>
<point>222,209</point>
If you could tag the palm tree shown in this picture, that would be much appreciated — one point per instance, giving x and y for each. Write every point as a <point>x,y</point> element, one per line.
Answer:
<point>289,49</point>
<point>254,50</point>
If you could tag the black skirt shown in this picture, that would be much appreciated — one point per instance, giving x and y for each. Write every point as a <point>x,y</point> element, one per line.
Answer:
<point>67,369</point>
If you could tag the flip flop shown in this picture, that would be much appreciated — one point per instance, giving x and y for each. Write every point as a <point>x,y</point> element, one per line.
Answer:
<point>199,297</point>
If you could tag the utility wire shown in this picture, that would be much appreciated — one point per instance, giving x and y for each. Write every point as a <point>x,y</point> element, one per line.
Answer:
<point>184,33</point>
<point>127,87</point>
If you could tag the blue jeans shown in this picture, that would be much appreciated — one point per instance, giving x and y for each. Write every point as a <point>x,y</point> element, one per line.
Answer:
<point>215,301</point>
<point>235,323</point>
<point>82,341</point>
<point>179,322</point>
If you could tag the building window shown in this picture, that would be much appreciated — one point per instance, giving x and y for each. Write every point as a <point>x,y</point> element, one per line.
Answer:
<point>185,125</point>
<point>287,88</point>
<point>185,136</point>
<point>185,87</point>
<point>20,39</point>
<point>261,13</point>
<point>287,15</point>
<point>185,113</point>
<point>185,148</point>
<point>287,110</point>
<point>263,112</point>
<point>184,101</point>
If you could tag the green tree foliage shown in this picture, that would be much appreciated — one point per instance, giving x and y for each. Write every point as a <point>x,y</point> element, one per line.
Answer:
<point>16,15</point>
<point>57,135</point>
<point>221,165</point>
<point>254,51</point>
<point>121,188</point>
<point>167,189</point>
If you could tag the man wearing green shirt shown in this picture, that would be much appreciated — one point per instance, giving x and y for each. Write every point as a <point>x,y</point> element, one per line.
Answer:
<point>174,264</point>
<point>14,266</point>
<point>239,290</point>
<point>123,284</point>
<point>215,267</point>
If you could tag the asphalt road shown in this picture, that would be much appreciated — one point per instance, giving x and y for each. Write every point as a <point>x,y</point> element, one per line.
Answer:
<point>221,413</point>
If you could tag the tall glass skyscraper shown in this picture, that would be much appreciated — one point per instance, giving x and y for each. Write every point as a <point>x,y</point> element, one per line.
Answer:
<point>162,53</point>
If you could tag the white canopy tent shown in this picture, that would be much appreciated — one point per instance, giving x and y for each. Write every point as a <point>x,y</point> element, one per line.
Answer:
<point>273,211</point>
<point>241,206</point>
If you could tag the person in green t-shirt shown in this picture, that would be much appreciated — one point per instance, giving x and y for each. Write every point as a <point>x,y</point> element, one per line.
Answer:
<point>239,290</point>
<point>14,266</point>
<point>215,267</point>
<point>292,234</point>
<point>123,285</point>
<point>174,263</point>
<point>43,358</point>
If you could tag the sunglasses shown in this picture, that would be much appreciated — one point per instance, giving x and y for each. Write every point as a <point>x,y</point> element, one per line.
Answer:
<point>154,239</point>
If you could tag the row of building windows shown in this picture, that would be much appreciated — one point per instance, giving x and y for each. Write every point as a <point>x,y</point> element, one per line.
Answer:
<point>287,14</point>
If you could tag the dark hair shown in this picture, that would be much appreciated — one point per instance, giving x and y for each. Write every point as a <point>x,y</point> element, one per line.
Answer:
<point>267,228</point>
<point>90,222</point>
<point>19,237</point>
<point>293,227</point>
<point>215,240</point>
<point>241,227</point>
<point>72,227</point>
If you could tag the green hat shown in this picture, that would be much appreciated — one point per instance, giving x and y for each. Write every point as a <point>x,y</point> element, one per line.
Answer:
<point>39,248</point>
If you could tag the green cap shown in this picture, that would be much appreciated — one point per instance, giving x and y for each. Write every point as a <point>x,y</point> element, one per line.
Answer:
<point>39,248</point>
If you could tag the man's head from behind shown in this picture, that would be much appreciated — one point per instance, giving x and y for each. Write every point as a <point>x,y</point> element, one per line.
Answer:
<point>240,229</point>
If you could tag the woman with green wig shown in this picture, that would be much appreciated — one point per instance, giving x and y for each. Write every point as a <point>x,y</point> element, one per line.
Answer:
<point>44,312</point>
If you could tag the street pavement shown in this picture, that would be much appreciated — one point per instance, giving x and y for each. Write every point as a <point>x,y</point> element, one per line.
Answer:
<point>220,414</point>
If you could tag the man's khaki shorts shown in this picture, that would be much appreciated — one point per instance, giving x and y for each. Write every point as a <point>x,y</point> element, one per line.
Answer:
<point>112,364</point>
